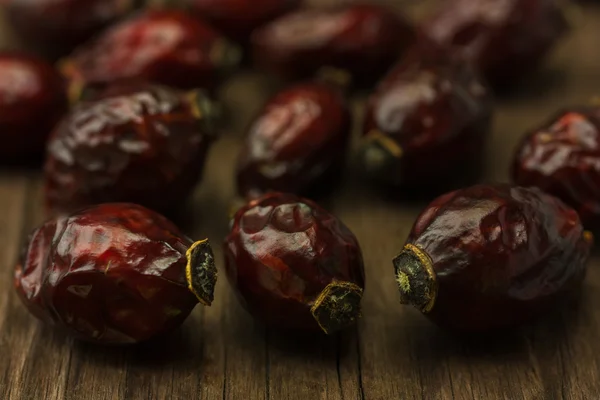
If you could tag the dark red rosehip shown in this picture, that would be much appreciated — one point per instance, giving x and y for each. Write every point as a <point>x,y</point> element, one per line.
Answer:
<point>362,39</point>
<point>143,144</point>
<point>114,274</point>
<point>32,100</point>
<point>293,265</point>
<point>297,142</point>
<point>162,46</point>
<point>426,125</point>
<point>562,157</point>
<point>238,18</point>
<point>491,257</point>
<point>60,25</point>
<point>505,39</point>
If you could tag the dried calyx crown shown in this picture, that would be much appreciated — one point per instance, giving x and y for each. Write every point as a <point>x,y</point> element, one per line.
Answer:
<point>205,110</point>
<point>201,272</point>
<point>337,306</point>
<point>416,278</point>
<point>380,154</point>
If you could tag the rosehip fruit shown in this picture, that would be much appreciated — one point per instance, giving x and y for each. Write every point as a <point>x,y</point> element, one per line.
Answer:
<point>562,157</point>
<point>143,144</point>
<point>426,125</point>
<point>295,266</point>
<point>505,39</point>
<point>238,18</point>
<point>32,100</point>
<point>492,256</point>
<point>297,142</point>
<point>114,274</point>
<point>161,46</point>
<point>364,40</point>
<point>60,25</point>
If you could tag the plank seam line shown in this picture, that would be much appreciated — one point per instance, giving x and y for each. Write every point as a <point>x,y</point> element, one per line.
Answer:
<point>337,363</point>
<point>359,365</point>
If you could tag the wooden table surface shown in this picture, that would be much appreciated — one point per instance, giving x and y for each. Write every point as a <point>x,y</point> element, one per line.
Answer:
<point>393,354</point>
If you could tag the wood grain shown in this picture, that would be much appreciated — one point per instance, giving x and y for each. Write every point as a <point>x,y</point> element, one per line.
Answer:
<point>393,354</point>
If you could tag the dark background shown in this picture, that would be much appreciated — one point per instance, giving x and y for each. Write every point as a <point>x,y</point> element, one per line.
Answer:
<point>393,354</point>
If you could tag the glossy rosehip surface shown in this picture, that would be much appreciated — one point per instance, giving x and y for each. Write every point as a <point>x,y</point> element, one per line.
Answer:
<point>499,255</point>
<point>113,273</point>
<point>283,252</point>
<point>162,46</point>
<point>297,142</point>
<point>562,157</point>
<point>506,39</point>
<point>238,18</point>
<point>32,100</point>
<point>143,144</point>
<point>63,24</point>
<point>426,124</point>
<point>362,39</point>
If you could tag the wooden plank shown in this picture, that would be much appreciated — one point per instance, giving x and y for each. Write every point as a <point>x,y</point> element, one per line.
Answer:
<point>49,355</point>
<point>16,327</point>
<point>394,353</point>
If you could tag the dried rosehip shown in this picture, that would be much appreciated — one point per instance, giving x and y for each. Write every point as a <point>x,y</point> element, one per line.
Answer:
<point>426,125</point>
<point>506,39</point>
<point>293,265</point>
<point>362,39</point>
<point>114,273</point>
<point>238,18</point>
<point>491,256</point>
<point>162,46</point>
<point>32,100</point>
<point>562,157</point>
<point>63,24</point>
<point>143,144</point>
<point>297,142</point>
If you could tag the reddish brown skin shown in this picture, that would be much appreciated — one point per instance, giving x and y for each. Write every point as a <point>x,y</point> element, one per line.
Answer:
<point>282,251</point>
<point>562,157</point>
<point>438,112</point>
<point>238,18</point>
<point>63,24</point>
<point>362,39</point>
<point>297,142</point>
<point>142,144</point>
<point>162,46</point>
<point>502,254</point>
<point>505,39</point>
<point>32,100</point>
<point>111,274</point>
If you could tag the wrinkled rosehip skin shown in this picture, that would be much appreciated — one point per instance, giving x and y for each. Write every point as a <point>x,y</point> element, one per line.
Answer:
<point>63,24</point>
<point>362,39</point>
<point>439,113</point>
<point>162,46</point>
<point>113,273</point>
<point>32,100</point>
<point>142,145</point>
<point>238,18</point>
<point>282,251</point>
<point>505,39</point>
<point>502,254</point>
<point>562,157</point>
<point>297,142</point>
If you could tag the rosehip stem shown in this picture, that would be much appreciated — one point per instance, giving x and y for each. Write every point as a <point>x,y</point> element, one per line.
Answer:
<point>380,154</point>
<point>75,87</point>
<point>416,278</point>
<point>201,272</point>
<point>205,110</point>
<point>336,77</point>
<point>226,55</point>
<point>338,306</point>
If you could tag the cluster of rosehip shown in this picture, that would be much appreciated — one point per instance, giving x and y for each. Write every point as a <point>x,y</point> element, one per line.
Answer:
<point>110,270</point>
